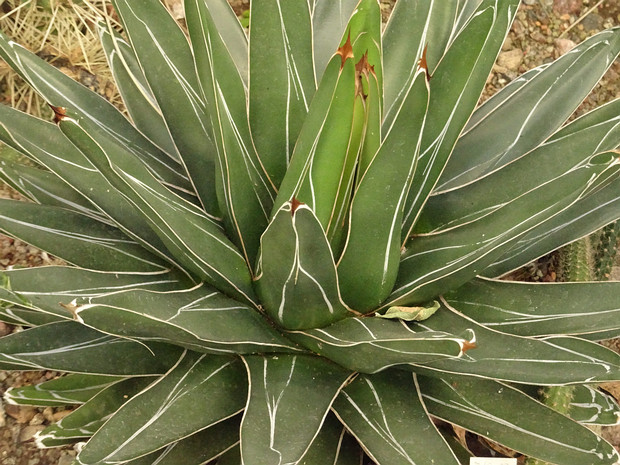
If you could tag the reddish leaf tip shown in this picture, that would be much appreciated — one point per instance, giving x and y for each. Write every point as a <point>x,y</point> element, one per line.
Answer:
<point>60,113</point>
<point>422,63</point>
<point>295,205</point>
<point>345,51</point>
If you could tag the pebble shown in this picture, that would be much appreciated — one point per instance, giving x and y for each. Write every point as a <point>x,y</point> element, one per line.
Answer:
<point>592,22</point>
<point>563,7</point>
<point>28,432</point>
<point>564,45</point>
<point>510,59</point>
<point>21,413</point>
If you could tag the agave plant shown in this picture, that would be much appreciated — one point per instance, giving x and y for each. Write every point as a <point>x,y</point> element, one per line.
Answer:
<point>290,252</point>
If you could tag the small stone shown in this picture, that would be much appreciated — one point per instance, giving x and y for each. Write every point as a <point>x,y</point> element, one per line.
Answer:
<point>21,414</point>
<point>4,329</point>
<point>563,7</point>
<point>28,432</point>
<point>38,419</point>
<point>2,416</point>
<point>66,458</point>
<point>593,22</point>
<point>57,416</point>
<point>529,2</point>
<point>563,46</point>
<point>48,414</point>
<point>510,59</point>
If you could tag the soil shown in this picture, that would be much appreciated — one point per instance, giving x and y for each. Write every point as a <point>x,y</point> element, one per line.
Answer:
<point>543,31</point>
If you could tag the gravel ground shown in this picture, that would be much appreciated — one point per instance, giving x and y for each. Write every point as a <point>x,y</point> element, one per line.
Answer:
<point>538,36</point>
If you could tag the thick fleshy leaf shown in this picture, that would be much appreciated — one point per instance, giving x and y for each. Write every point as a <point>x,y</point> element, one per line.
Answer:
<point>591,406</point>
<point>66,390</point>
<point>199,448</point>
<point>574,144</point>
<point>296,277</point>
<point>454,95</point>
<point>385,413</point>
<point>133,87</point>
<point>199,318</point>
<point>245,195</point>
<point>413,26</point>
<point>232,33</point>
<point>510,417</point>
<point>329,21</point>
<point>166,59</point>
<point>531,113</point>
<point>585,216</point>
<point>88,418</point>
<point>76,238</point>
<point>322,165</point>
<point>369,264</point>
<point>63,92</point>
<point>199,391</point>
<point>70,346</point>
<point>31,295</point>
<point>434,264</point>
<point>333,445</point>
<point>369,345</point>
<point>540,309</point>
<point>281,92</point>
<point>191,236</point>
<point>41,186</point>
<point>47,146</point>
<point>554,360</point>
<point>289,398</point>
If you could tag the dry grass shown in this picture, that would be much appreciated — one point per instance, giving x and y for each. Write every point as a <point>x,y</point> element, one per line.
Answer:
<point>63,33</point>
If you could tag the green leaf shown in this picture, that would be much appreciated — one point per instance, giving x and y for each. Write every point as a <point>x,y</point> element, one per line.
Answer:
<point>334,445</point>
<point>62,92</point>
<point>166,59</point>
<point>45,144</point>
<point>66,390</point>
<point>42,186</point>
<point>369,345</point>
<point>87,419</point>
<point>289,398</point>
<point>410,313</point>
<point>467,250</point>
<point>39,289</point>
<point>531,113</point>
<point>281,80</point>
<point>385,413</point>
<point>133,87</point>
<point>296,277</point>
<point>170,409</point>
<point>584,217</point>
<point>76,238</point>
<point>413,26</point>
<point>329,22</point>
<point>198,318</point>
<point>567,149</point>
<point>510,417</point>
<point>591,406</point>
<point>72,347</point>
<point>369,264</point>
<point>553,360</point>
<point>540,309</point>
<point>454,94</point>
<point>232,33</point>
<point>200,447</point>
<point>192,237</point>
<point>245,195</point>
<point>322,166</point>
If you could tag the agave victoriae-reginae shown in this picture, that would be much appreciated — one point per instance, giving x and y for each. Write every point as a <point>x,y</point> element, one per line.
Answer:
<point>290,252</point>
